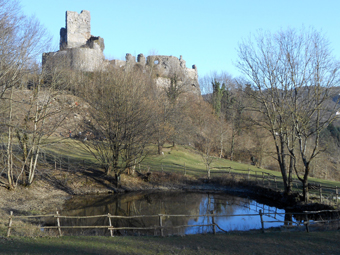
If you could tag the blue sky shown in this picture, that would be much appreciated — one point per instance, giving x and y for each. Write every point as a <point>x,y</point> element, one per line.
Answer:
<point>205,33</point>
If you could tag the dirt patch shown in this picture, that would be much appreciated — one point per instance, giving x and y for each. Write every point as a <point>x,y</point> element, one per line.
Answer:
<point>40,197</point>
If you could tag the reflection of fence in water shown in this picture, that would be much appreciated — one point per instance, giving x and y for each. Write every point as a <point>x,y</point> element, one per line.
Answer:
<point>325,194</point>
<point>162,230</point>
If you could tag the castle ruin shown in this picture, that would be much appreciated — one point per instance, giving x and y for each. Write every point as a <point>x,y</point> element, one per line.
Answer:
<point>81,51</point>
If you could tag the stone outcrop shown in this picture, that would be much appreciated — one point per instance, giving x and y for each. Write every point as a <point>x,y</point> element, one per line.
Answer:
<point>81,51</point>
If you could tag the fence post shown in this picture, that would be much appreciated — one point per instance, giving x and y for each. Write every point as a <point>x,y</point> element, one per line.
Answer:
<point>10,224</point>
<point>262,178</point>
<point>229,169</point>
<point>162,167</point>
<point>262,225</point>
<point>256,176</point>
<point>320,192</point>
<point>336,195</point>
<point>306,222</point>
<point>275,183</point>
<point>248,174</point>
<point>58,223</point>
<point>213,222</point>
<point>267,180</point>
<point>185,169</point>
<point>110,223</point>
<point>161,224</point>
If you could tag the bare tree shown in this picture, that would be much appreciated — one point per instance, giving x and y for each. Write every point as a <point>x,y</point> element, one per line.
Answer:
<point>39,113</point>
<point>119,117</point>
<point>22,39</point>
<point>206,132</point>
<point>290,73</point>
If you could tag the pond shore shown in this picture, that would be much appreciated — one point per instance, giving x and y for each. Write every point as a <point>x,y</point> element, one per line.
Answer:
<point>43,197</point>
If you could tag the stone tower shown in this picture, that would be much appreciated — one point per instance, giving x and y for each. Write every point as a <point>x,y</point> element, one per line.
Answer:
<point>78,50</point>
<point>77,31</point>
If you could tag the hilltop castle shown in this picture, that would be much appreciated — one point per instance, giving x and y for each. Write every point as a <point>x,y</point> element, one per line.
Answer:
<point>81,51</point>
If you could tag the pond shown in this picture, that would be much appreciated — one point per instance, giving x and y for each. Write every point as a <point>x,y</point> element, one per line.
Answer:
<point>197,208</point>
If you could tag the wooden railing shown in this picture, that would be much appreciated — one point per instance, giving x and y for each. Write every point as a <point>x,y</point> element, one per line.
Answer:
<point>325,194</point>
<point>111,228</point>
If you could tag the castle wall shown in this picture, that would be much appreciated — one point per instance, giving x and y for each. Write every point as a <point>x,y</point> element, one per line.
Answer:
<point>80,59</point>
<point>86,59</point>
<point>81,51</point>
<point>167,67</point>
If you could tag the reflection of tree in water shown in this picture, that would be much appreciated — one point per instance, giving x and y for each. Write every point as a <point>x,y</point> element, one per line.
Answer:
<point>173,203</point>
<point>222,204</point>
<point>133,204</point>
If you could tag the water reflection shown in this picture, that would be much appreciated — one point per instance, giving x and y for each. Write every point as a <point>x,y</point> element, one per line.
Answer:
<point>193,204</point>
<point>231,205</point>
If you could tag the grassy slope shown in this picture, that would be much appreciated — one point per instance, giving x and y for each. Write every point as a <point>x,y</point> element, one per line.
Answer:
<point>231,243</point>
<point>174,159</point>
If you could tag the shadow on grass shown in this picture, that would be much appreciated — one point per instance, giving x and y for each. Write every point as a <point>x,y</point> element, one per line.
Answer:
<point>233,243</point>
<point>68,170</point>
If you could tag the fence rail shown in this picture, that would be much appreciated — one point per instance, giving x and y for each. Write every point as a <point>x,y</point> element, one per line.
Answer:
<point>324,194</point>
<point>110,227</point>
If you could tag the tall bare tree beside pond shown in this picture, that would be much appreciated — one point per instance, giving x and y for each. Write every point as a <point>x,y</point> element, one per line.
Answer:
<point>291,74</point>
<point>120,119</point>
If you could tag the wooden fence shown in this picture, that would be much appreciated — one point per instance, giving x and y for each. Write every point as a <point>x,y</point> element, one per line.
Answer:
<point>324,194</point>
<point>111,228</point>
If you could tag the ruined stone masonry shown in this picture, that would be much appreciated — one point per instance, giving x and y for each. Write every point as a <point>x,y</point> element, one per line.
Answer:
<point>81,51</point>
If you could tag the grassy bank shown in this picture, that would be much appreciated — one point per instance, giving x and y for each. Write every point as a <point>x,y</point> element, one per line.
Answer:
<point>177,160</point>
<point>233,243</point>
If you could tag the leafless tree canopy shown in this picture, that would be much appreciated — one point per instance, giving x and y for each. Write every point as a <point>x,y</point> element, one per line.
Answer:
<point>22,40</point>
<point>120,118</point>
<point>291,73</point>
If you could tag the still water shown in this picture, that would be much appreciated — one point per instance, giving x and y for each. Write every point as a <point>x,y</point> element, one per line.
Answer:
<point>196,205</point>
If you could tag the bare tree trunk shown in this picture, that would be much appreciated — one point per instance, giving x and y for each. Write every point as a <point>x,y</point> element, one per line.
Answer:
<point>10,160</point>
<point>305,191</point>
<point>290,175</point>
<point>160,148</point>
<point>305,182</point>
<point>33,166</point>
<point>10,176</point>
<point>232,145</point>
<point>117,177</point>
<point>221,145</point>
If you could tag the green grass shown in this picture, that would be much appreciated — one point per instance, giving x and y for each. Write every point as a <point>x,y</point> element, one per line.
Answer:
<point>180,155</point>
<point>231,243</point>
<point>174,159</point>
